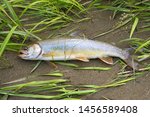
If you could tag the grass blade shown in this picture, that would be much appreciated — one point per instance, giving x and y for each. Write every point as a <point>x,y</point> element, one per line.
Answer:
<point>94,68</point>
<point>34,83</point>
<point>30,95</point>
<point>67,64</point>
<point>12,12</point>
<point>143,45</point>
<point>4,97</point>
<point>3,46</point>
<point>113,29</point>
<point>113,84</point>
<point>134,26</point>
<point>35,67</point>
<point>55,73</point>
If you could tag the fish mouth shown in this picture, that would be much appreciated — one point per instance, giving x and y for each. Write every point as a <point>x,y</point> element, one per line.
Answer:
<point>22,53</point>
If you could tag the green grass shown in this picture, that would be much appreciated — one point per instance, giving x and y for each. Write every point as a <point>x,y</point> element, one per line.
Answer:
<point>141,47</point>
<point>53,14</point>
<point>32,17</point>
<point>67,64</point>
<point>35,90</point>
<point>56,89</point>
<point>94,68</point>
<point>50,14</point>
<point>134,26</point>
<point>136,15</point>
<point>133,11</point>
<point>6,40</point>
<point>55,73</point>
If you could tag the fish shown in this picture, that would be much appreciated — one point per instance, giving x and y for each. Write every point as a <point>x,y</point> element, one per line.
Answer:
<point>75,49</point>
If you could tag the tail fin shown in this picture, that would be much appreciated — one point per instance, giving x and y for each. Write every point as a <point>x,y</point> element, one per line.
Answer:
<point>130,62</point>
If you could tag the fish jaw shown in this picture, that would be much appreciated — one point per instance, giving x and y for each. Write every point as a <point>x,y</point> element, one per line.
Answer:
<point>22,53</point>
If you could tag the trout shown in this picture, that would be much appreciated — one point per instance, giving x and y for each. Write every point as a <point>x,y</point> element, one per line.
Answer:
<point>75,49</point>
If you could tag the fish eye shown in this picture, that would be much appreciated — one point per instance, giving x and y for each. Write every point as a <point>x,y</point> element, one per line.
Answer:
<point>25,48</point>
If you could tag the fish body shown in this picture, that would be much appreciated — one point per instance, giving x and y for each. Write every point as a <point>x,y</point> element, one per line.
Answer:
<point>73,49</point>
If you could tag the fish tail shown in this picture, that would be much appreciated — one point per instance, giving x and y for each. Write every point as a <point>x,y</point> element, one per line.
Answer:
<point>130,62</point>
<point>128,59</point>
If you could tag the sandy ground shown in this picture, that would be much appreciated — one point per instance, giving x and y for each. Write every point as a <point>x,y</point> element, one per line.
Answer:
<point>100,22</point>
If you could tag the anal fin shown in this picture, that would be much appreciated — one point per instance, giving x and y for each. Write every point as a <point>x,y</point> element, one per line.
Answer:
<point>108,60</point>
<point>84,59</point>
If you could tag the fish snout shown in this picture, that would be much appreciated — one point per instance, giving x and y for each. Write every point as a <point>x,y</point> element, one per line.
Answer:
<point>23,53</point>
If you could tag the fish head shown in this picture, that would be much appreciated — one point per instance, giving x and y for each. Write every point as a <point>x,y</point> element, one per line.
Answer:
<point>31,52</point>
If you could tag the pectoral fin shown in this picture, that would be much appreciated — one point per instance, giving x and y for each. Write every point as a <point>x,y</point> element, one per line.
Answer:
<point>108,60</point>
<point>48,54</point>
<point>84,59</point>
